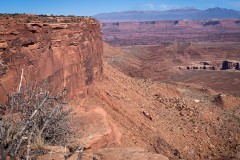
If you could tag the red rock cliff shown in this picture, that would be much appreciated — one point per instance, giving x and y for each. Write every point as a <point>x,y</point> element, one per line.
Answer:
<point>65,51</point>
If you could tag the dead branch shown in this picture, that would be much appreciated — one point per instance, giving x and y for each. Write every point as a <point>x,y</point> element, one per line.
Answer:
<point>20,83</point>
<point>80,152</point>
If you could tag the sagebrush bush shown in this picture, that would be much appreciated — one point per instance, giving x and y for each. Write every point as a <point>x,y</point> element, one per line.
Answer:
<point>30,117</point>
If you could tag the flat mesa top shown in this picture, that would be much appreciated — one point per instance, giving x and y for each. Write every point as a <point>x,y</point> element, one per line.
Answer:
<point>29,18</point>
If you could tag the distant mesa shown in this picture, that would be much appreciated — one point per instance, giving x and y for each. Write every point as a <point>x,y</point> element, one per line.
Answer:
<point>176,14</point>
<point>203,65</point>
<point>230,65</point>
<point>207,65</point>
<point>162,31</point>
<point>208,23</point>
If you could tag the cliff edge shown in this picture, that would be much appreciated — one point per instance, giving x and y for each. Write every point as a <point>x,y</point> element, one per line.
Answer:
<point>65,51</point>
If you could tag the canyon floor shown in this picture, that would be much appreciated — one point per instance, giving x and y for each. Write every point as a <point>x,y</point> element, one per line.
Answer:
<point>168,63</point>
<point>135,114</point>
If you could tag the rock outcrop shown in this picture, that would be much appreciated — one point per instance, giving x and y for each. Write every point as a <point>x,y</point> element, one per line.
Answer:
<point>95,130</point>
<point>230,65</point>
<point>65,51</point>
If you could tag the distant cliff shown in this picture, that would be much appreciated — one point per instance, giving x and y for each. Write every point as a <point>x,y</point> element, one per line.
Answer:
<point>175,14</point>
<point>155,32</point>
<point>65,51</point>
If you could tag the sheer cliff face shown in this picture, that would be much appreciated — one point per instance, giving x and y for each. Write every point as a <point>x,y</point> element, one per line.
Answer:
<point>65,51</point>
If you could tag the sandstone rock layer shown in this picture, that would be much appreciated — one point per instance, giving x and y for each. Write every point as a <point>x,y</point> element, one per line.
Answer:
<point>65,51</point>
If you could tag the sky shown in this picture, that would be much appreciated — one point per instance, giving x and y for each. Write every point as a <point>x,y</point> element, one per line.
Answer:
<point>92,7</point>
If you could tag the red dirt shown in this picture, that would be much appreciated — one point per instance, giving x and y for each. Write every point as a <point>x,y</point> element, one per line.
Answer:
<point>162,62</point>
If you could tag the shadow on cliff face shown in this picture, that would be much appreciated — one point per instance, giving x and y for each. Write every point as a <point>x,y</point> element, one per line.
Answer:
<point>88,70</point>
<point>162,147</point>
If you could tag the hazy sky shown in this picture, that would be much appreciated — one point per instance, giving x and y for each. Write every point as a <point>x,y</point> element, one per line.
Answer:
<point>92,7</point>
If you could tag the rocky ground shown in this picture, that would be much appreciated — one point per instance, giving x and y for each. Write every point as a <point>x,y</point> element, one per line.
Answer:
<point>161,63</point>
<point>132,118</point>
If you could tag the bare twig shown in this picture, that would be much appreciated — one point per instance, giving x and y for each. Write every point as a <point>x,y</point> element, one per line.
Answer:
<point>64,151</point>
<point>50,155</point>
<point>47,120</point>
<point>18,146</point>
<point>80,152</point>
<point>29,146</point>
<point>20,83</point>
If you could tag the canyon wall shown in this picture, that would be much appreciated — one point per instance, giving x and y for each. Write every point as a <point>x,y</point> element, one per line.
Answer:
<point>155,32</point>
<point>65,51</point>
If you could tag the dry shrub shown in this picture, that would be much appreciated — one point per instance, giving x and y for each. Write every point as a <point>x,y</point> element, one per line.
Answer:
<point>33,117</point>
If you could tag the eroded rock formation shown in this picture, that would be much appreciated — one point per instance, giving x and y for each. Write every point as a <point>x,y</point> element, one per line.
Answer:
<point>230,65</point>
<point>65,51</point>
<point>155,32</point>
